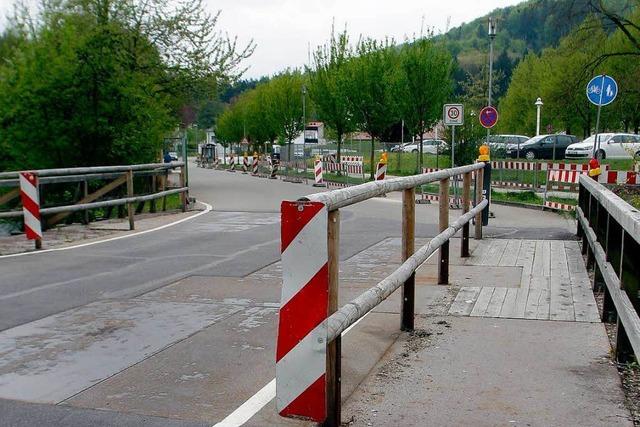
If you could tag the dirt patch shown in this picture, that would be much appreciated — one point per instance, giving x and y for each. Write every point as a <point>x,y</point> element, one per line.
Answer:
<point>631,194</point>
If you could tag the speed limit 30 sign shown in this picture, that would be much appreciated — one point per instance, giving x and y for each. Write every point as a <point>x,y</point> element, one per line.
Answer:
<point>453,115</point>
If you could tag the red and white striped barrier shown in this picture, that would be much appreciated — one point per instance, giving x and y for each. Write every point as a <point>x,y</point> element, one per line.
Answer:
<point>381,171</point>
<point>254,166</point>
<point>302,328</point>
<point>559,206</point>
<point>232,164</point>
<point>619,177</point>
<point>319,181</point>
<point>530,166</point>
<point>245,164</point>
<point>30,205</point>
<point>565,176</point>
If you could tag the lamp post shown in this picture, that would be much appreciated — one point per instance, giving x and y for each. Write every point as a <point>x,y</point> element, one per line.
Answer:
<point>538,105</point>
<point>304,129</point>
<point>492,35</point>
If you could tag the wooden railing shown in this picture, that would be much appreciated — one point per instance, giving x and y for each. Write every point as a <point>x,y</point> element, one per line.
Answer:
<point>111,178</point>
<point>610,232</point>
<point>326,244</point>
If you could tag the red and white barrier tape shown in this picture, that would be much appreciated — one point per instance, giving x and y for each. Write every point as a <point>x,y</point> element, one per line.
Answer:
<point>30,205</point>
<point>302,328</point>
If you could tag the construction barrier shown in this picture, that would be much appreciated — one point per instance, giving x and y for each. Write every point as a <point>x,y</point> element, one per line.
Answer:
<point>348,164</point>
<point>319,182</point>
<point>301,355</point>
<point>381,171</point>
<point>566,179</point>
<point>232,164</point>
<point>30,205</point>
<point>254,167</point>
<point>245,164</point>
<point>274,170</point>
<point>619,177</point>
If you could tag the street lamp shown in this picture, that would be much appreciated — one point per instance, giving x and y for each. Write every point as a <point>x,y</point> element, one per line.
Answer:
<point>304,130</point>
<point>538,105</point>
<point>492,35</point>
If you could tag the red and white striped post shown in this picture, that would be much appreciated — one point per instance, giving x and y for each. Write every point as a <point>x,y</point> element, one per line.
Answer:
<point>232,164</point>
<point>254,165</point>
<point>381,171</point>
<point>31,207</point>
<point>245,163</point>
<point>319,182</point>
<point>301,353</point>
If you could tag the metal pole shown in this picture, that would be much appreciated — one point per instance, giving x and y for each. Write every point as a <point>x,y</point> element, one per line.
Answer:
<point>304,130</point>
<point>596,143</point>
<point>491,37</point>
<point>537,121</point>
<point>453,165</point>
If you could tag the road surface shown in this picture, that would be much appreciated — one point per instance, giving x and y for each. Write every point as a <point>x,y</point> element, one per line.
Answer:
<point>177,327</point>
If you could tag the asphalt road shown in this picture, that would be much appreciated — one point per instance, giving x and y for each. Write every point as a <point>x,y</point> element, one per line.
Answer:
<point>46,295</point>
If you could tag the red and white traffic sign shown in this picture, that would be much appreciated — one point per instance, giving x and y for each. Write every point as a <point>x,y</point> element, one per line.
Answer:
<point>488,117</point>
<point>453,115</point>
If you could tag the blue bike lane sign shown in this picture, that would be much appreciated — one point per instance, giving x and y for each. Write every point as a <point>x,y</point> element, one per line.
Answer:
<point>602,90</point>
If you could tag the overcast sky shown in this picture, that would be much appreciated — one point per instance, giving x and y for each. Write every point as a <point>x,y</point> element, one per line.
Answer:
<point>283,29</point>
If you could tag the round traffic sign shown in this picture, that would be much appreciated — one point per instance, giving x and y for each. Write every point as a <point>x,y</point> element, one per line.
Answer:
<point>488,117</point>
<point>453,113</point>
<point>602,90</point>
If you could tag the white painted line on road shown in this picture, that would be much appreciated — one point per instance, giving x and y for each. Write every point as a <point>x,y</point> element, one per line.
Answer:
<point>208,209</point>
<point>266,394</point>
<point>249,408</point>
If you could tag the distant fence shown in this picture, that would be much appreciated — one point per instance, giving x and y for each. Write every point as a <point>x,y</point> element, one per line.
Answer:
<point>110,179</point>
<point>610,232</point>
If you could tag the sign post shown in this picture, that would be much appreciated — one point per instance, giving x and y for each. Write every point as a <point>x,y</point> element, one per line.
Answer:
<point>601,90</point>
<point>453,115</point>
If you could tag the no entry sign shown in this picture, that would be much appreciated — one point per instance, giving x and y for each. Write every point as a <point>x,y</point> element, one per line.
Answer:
<point>453,115</point>
<point>488,117</point>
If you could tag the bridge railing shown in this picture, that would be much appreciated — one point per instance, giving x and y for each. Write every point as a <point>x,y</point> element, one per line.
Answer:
<point>610,232</point>
<point>311,323</point>
<point>110,178</point>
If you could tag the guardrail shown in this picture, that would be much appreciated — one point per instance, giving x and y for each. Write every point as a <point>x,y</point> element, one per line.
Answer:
<point>311,323</point>
<point>610,232</point>
<point>117,175</point>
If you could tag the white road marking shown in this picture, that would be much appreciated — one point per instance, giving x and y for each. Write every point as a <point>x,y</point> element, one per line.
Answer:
<point>266,394</point>
<point>208,209</point>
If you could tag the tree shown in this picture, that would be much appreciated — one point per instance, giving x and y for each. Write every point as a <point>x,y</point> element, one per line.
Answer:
<point>102,81</point>
<point>368,80</point>
<point>423,85</point>
<point>326,87</point>
<point>284,99</point>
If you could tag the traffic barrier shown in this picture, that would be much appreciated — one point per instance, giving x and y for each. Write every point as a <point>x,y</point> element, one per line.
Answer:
<point>619,177</point>
<point>319,182</point>
<point>245,164</point>
<point>254,169</point>
<point>274,170</point>
<point>559,206</point>
<point>566,180</point>
<point>31,206</point>
<point>232,164</point>
<point>381,171</point>
<point>302,330</point>
<point>311,324</point>
<point>216,163</point>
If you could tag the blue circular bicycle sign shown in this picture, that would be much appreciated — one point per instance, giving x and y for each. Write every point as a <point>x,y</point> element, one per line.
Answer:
<point>602,90</point>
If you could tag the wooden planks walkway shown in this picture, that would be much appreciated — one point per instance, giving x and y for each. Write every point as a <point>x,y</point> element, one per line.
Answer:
<point>554,283</point>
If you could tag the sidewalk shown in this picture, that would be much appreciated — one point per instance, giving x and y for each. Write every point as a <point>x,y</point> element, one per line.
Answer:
<point>526,352</point>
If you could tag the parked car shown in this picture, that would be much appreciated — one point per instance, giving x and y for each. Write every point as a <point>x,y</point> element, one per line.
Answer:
<point>499,143</point>
<point>612,146</point>
<point>542,147</point>
<point>173,155</point>
<point>429,146</point>
<point>398,147</point>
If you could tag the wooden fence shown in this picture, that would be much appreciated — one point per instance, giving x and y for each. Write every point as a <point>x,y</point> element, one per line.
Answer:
<point>610,232</point>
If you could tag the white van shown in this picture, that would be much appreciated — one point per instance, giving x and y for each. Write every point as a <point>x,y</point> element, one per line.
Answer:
<point>612,146</point>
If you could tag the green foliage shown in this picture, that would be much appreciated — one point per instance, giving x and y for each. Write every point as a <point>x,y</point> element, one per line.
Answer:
<point>96,82</point>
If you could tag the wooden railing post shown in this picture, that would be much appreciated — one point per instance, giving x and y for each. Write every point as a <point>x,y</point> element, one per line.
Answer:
<point>154,182</point>
<point>466,199</point>
<point>443,265</point>
<point>183,195</point>
<point>334,348</point>
<point>479,184</point>
<point>85,193</point>
<point>130,206</point>
<point>408,247</point>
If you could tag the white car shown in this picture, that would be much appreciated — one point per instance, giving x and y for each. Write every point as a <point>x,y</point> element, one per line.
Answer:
<point>429,146</point>
<point>612,146</point>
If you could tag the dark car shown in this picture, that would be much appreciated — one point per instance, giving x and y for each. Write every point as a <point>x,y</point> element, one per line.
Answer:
<point>542,147</point>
